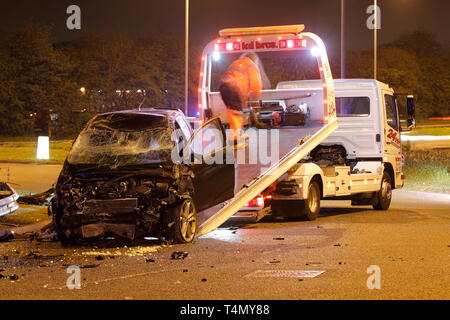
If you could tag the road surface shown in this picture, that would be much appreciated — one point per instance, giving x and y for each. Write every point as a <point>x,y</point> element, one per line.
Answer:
<point>410,244</point>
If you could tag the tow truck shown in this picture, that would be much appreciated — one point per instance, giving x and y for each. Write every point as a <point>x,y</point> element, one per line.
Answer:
<point>354,153</point>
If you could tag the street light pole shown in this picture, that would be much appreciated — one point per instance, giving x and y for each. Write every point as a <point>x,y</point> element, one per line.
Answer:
<point>343,47</point>
<point>375,41</point>
<point>186,67</point>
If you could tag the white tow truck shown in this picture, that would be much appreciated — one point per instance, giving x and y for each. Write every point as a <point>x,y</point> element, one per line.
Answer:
<point>353,153</point>
<point>361,161</point>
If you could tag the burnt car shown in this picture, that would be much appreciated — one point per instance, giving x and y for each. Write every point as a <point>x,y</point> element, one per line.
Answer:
<point>120,179</point>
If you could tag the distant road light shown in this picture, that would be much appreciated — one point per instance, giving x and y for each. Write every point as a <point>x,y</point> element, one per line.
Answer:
<point>83,90</point>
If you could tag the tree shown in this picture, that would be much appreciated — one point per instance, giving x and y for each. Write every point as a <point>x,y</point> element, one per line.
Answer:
<point>416,64</point>
<point>37,81</point>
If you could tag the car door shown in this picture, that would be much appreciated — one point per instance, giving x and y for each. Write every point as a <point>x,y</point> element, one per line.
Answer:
<point>213,165</point>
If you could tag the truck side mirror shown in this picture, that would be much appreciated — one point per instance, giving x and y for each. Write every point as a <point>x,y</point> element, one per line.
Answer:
<point>411,112</point>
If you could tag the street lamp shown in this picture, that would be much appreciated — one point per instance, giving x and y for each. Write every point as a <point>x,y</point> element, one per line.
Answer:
<point>186,67</point>
<point>375,41</point>
<point>343,48</point>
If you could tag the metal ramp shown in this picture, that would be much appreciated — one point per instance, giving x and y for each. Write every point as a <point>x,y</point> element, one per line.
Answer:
<point>259,184</point>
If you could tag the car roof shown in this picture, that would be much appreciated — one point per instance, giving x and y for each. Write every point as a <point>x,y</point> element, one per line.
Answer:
<point>171,114</point>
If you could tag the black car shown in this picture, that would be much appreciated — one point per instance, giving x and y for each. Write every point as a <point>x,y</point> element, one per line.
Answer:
<point>135,174</point>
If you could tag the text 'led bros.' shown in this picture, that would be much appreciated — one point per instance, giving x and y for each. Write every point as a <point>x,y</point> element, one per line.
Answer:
<point>262,45</point>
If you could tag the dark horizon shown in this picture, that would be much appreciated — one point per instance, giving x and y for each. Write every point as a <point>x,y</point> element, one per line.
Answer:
<point>150,18</point>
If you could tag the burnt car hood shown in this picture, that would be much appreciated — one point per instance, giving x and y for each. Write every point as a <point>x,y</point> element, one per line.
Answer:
<point>92,202</point>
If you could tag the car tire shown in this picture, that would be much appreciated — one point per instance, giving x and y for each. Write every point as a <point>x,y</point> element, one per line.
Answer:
<point>181,222</point>
<point>60,231</point>
<point>311,207</point>
<point>383,198</point>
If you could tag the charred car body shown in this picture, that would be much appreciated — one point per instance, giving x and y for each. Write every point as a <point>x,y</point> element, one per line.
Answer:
<point>119,179</point>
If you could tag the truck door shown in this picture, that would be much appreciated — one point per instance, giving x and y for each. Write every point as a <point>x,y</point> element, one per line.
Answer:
<point>392,145</point>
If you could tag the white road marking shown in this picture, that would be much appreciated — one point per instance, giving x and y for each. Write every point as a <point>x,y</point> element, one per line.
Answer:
<point>284,274</point>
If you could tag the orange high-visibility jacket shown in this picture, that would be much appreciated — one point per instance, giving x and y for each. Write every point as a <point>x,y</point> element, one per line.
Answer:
<point>244,76</point>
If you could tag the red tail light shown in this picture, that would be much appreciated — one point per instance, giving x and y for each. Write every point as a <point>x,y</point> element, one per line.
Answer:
<point>293,43</point>
<point>257,202</point>
<point>229,46</point>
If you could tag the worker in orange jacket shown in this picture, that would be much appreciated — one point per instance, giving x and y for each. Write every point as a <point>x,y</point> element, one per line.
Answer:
<point>242,82</point>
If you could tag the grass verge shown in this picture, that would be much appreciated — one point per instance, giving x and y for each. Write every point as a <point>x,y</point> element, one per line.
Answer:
<point>428,170</point>
<point>25,151</point>
<point>444,131</point>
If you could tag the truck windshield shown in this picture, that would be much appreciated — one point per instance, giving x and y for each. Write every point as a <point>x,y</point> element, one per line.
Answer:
<point>275,66</point>
<point>118,140</point>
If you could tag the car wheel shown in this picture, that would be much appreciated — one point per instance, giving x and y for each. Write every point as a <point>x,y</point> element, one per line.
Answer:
<point>383,197</point>
<point>62,237</point>
<point>311,207</point>
<point>60,231</point>
<point>182,222</point>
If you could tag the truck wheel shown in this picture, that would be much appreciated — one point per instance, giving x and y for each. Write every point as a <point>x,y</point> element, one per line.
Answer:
<point>383,197</point>
<point>181,222</point>
<point>311,207</point>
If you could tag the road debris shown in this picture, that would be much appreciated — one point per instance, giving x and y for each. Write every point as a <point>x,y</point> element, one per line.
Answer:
<point>38,199</point>
<point>6,235</point>
<point>13,277</point>
<point>89,266</point>
<point>341,245</point>
<point>47,233</point>
<point>179,255</point>
<point>313,263</point>
<point>274,261</point>
<point>150,260</point>
<point>278,239</point>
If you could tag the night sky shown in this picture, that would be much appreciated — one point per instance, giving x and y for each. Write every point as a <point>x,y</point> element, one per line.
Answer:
<point>150,17</point>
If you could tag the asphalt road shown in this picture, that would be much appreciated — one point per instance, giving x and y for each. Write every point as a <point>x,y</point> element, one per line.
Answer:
<point>410,244</point>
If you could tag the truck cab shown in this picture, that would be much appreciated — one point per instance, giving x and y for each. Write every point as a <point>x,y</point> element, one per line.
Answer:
<point>361,161</point>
